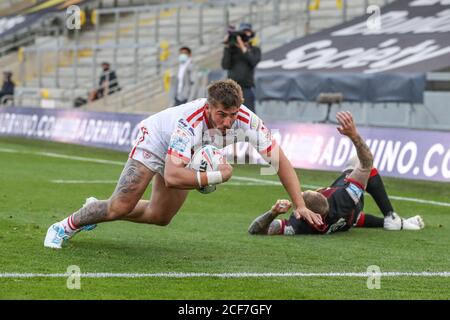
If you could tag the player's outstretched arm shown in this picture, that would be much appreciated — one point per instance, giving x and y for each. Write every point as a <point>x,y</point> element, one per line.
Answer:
<point>348,128</point>
<point>261,224</point>
<point>177,176</point>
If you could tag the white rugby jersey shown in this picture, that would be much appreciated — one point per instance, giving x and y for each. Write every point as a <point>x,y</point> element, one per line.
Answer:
<point>180,130</point>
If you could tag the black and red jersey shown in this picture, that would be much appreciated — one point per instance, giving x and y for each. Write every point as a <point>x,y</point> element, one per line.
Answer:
<point>346,201</point>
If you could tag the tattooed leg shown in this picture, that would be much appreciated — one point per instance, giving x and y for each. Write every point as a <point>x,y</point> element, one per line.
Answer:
<point>162,207</point>
<point>133,181</point>
<point>92,213</point>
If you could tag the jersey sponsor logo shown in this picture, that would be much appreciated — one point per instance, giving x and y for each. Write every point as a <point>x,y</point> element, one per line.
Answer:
<point>354,192</point>
<point>183,123</point>
<point>185,126</point>
<point>182,133</point>
<point>338,225</point>
<point>179,143</point>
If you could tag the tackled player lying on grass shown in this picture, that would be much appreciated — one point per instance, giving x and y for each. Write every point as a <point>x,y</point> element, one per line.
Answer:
<point>341,204</point>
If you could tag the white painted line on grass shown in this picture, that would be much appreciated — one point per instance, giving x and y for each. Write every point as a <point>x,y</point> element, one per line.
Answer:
<point>269,182</point>
<point>229,275</point>
<point>436,203</point>
<point>229,183</point>
<point>63,156</point>
<point>84,181</point>
<point>261,181</point>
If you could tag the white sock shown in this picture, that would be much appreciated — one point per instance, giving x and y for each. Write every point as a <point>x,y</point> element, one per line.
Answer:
<point>68,224</point>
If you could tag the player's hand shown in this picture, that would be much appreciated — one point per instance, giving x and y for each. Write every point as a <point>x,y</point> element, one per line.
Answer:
<point>347,125</point>
<point>311,217</point>
<point>226,170</point>
<point>281,206</point>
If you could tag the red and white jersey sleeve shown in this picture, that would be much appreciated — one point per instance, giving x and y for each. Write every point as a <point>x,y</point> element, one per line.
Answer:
<point>257,133</point>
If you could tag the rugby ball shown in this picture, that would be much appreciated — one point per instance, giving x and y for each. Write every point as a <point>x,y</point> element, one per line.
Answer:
<point>206,158</point>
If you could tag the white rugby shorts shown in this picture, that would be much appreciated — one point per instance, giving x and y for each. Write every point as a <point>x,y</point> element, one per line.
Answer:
<point>145,152</point>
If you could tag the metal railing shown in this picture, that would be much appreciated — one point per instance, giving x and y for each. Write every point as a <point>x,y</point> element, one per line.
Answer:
<point>137,36</point>
<point>46,60</point>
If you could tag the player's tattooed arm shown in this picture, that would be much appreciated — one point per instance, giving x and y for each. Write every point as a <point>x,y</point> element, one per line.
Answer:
<point>348,128</point>
<point>261,224</point>
<point>362,149</point>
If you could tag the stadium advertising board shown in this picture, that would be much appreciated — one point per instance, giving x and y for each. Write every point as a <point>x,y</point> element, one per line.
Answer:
<point>412,154</point>
<point>105,130</point>
<point>404,153</point>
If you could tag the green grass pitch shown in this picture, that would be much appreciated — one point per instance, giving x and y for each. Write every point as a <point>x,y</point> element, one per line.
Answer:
<point>208,235</point>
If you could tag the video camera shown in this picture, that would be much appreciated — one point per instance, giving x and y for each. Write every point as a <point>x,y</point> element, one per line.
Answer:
<point>241,32</point>
<point>232,37</point>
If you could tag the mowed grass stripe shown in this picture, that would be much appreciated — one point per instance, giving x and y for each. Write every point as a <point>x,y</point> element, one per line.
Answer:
<point>249,179</point>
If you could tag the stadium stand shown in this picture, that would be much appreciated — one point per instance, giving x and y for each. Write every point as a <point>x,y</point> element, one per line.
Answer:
<point>134,38</point>
<point>140,39</point>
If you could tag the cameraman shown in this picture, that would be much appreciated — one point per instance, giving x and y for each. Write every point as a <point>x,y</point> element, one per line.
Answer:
<point>240,59</point>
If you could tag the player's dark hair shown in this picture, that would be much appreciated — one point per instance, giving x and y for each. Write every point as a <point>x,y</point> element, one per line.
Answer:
<point>316,202</point>
<point>226,93</point>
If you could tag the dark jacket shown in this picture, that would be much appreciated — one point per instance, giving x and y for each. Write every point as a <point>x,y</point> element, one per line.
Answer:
<point>241,66</point>
<point>7,88</point>
<point>111,77</point>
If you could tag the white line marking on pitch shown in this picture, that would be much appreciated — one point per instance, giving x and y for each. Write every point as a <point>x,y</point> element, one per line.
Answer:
<point>230,183</point>
<point>84,181</point>
<point>63,156</point>
<point>229,275</point>
<point>437,203</point>
<point>269,182</point>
